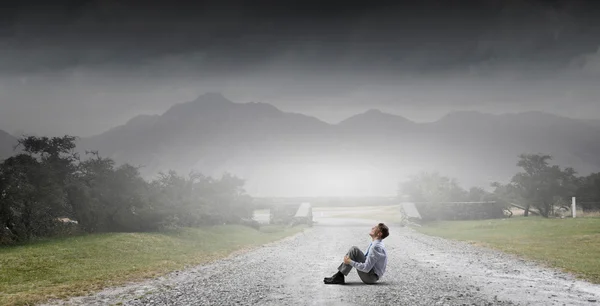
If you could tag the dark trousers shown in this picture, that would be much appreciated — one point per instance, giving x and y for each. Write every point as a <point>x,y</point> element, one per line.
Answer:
<point>358,256</point>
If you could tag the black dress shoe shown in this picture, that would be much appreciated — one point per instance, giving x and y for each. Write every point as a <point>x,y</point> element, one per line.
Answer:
<point>328,279</point>
<point>336,279</point>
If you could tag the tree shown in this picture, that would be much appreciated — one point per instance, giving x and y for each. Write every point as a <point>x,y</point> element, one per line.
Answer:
<point>105,198</point>
<point>48,181</point>
<point>32,187</point>
<point>588,191</point>
<point>174,203</point>
<point>541,185</point>
<point>30,198</point>
<point>477,194</point>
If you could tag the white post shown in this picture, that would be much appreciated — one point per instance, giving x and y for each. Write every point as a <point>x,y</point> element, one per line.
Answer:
<point>573,208</point>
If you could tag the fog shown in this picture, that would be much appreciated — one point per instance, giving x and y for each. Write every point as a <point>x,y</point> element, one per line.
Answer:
<point>85,69</point>
<point>88,103</point>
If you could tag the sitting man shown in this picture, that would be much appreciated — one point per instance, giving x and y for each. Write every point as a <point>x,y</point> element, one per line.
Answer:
<point>371,265</point>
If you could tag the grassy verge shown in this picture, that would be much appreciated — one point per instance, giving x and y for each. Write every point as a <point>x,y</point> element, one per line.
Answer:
<point>79,265</point>
<point>571,245</point>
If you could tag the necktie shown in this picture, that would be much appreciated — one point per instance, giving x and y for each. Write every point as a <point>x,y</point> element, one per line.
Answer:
<point>368,249</point>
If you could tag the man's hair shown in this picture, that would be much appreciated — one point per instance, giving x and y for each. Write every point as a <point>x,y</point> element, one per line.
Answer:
<point>384,230</point>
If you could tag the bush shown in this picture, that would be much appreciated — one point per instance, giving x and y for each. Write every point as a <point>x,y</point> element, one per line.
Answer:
<point>49,180</point>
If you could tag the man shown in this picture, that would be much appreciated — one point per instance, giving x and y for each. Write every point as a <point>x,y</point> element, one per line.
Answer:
<point>370,265</point>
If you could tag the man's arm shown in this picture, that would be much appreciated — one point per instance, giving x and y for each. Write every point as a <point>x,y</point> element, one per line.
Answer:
<point>375,254</point>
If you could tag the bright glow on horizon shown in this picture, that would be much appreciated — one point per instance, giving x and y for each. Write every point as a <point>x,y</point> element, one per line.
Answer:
<point>323,179</point>
<point>338,180</point>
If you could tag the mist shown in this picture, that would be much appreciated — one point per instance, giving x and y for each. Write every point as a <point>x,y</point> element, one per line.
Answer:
<point>241,152</point>
<point>88,69</point>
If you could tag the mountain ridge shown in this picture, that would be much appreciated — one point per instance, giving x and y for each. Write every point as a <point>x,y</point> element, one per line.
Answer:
<point>274,149</point>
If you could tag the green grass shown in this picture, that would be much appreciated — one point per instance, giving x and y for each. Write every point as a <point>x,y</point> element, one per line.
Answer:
<point>572,245</point>
<point>74,266</point>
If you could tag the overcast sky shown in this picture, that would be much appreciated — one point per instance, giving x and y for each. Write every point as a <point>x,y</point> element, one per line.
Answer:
<point>81,67</point>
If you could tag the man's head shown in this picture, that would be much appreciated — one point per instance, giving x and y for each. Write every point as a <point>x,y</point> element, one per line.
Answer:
<point>379,231</point>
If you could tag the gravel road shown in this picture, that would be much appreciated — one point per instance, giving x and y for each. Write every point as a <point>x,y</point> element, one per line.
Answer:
<point>421,270</point>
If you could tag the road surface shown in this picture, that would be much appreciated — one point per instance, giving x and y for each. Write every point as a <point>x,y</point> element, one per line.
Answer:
<point>422,270</point>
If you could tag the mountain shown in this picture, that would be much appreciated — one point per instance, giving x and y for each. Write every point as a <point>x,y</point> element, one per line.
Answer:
<point>476,147</point>
<point>208,132</point>
<point>279,152</point>
<point>593,122</point>
<point>375,120</point>
<point>7,143</point>
<point>491,143</point>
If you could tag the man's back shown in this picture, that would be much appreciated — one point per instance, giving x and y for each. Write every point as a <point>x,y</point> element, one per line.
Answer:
<point>380,253</point>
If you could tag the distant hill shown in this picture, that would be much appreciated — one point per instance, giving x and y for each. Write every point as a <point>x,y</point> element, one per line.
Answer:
<point>208,132</point>
<point>593,122</point>
<point>213,134</point>
<point>376,120</point>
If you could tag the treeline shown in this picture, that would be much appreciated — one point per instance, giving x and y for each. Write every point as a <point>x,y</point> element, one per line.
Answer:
<point>538,185</point>
<point>49,190</point>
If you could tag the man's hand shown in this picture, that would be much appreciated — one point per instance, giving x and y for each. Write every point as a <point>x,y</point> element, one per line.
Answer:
<point>347,260</point>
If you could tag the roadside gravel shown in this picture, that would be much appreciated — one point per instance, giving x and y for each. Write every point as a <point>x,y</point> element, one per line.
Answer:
<point>422,270</point>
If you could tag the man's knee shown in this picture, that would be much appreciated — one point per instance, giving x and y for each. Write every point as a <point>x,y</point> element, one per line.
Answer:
<point>353,249</point>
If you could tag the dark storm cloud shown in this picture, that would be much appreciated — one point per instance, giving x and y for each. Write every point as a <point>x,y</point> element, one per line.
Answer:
<point>192,37</point>
<point>89,65</point>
